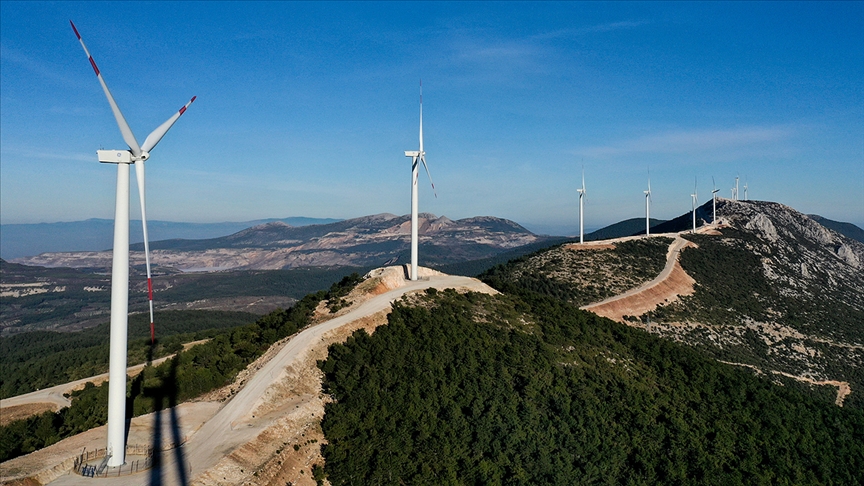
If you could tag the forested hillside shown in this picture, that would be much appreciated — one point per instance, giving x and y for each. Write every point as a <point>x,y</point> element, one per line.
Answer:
<point>775,292</point>
<point>35,360</point>
<point>526,389</point>
<point>778,292</point>
<point>582,274</point>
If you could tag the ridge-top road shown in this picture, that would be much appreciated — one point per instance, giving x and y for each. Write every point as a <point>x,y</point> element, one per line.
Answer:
<point>233,426</point>
<point>668,285</point>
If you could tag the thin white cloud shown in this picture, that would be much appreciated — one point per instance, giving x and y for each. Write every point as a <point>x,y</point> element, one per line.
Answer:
<point>693,141</point>
<point>41,154</point>
<point>261,34</point>
<point>39,68</point>
<point>500,55</point>
<point>591,29</point>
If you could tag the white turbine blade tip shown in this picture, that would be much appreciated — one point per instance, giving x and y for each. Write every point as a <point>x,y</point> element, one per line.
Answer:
<point>423,159</point>
<point>128,136</point>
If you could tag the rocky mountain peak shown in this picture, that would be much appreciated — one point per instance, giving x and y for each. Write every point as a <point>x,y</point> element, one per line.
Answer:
<point>777,223</point>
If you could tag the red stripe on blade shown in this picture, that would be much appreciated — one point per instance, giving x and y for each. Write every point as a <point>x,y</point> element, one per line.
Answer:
<point>76,30</point>
<point>93,63</point>
<point>182,110</point>
<point>150,288</point>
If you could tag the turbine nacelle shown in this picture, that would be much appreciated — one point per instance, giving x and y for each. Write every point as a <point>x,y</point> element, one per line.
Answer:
<point>414,153</point>
<point>120,156</point>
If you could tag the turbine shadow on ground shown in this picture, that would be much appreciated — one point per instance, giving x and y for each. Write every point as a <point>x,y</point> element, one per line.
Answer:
<point>164,396</point>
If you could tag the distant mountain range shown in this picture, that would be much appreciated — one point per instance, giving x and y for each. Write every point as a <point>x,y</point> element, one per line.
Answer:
<point>299,242</point>
<point>20,240</point>
<point>382,239</point>
<point>846,229</point>
<point>628,227</point>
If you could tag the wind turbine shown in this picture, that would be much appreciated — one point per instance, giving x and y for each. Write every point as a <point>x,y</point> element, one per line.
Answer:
<point>736,187</point>
<point>581,218</point>
<point>695,197</point>
<point>714,201</point>
<point>648,206</point>
<point>416,158</point>
<point>745,189</point>
<point>120,265</point>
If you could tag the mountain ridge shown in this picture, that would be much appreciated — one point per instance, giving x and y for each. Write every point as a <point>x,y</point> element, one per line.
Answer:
<point>773,290</point>
<point>372,240</point>
<point>96,234</point>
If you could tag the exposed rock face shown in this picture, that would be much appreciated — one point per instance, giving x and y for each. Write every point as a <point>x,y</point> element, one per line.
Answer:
<point>779,293</point>
<point>366,241</point>
<point>798,251</point>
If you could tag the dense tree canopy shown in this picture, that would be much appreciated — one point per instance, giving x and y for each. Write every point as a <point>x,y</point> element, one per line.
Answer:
<point>472,389</point>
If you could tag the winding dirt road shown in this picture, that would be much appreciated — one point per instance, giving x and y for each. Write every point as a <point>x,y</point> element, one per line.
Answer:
<point>671,283</point>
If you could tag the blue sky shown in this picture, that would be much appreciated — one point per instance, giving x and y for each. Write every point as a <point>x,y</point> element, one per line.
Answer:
<point>305,109</point>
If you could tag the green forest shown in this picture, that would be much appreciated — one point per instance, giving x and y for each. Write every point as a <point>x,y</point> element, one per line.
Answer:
<point>39,359</point>
<point>526,389</point>
<point>732,289</point>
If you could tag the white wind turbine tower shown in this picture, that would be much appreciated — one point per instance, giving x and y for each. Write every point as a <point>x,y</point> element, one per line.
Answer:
<point>416,158</point>
<point>581,217</point>
<point>695,198</point>
<point>648,206</point>
<point>136,154</point>
<point>745,189</point>
<point>736,187</point>
<point>714,201</point>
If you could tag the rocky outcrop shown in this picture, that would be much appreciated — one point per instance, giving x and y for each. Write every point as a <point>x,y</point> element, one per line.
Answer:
<point>798,254</point>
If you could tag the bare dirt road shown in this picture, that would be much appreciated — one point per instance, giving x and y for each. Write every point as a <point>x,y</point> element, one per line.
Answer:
<point>250,429</point>
<point>672,282</point>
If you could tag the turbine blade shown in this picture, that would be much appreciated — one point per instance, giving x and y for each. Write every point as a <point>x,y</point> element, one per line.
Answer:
<point>423,159</point>
<point>128,136</point>
<point>139,175</point>
<point>156,135</point>
<point>421,117</point>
